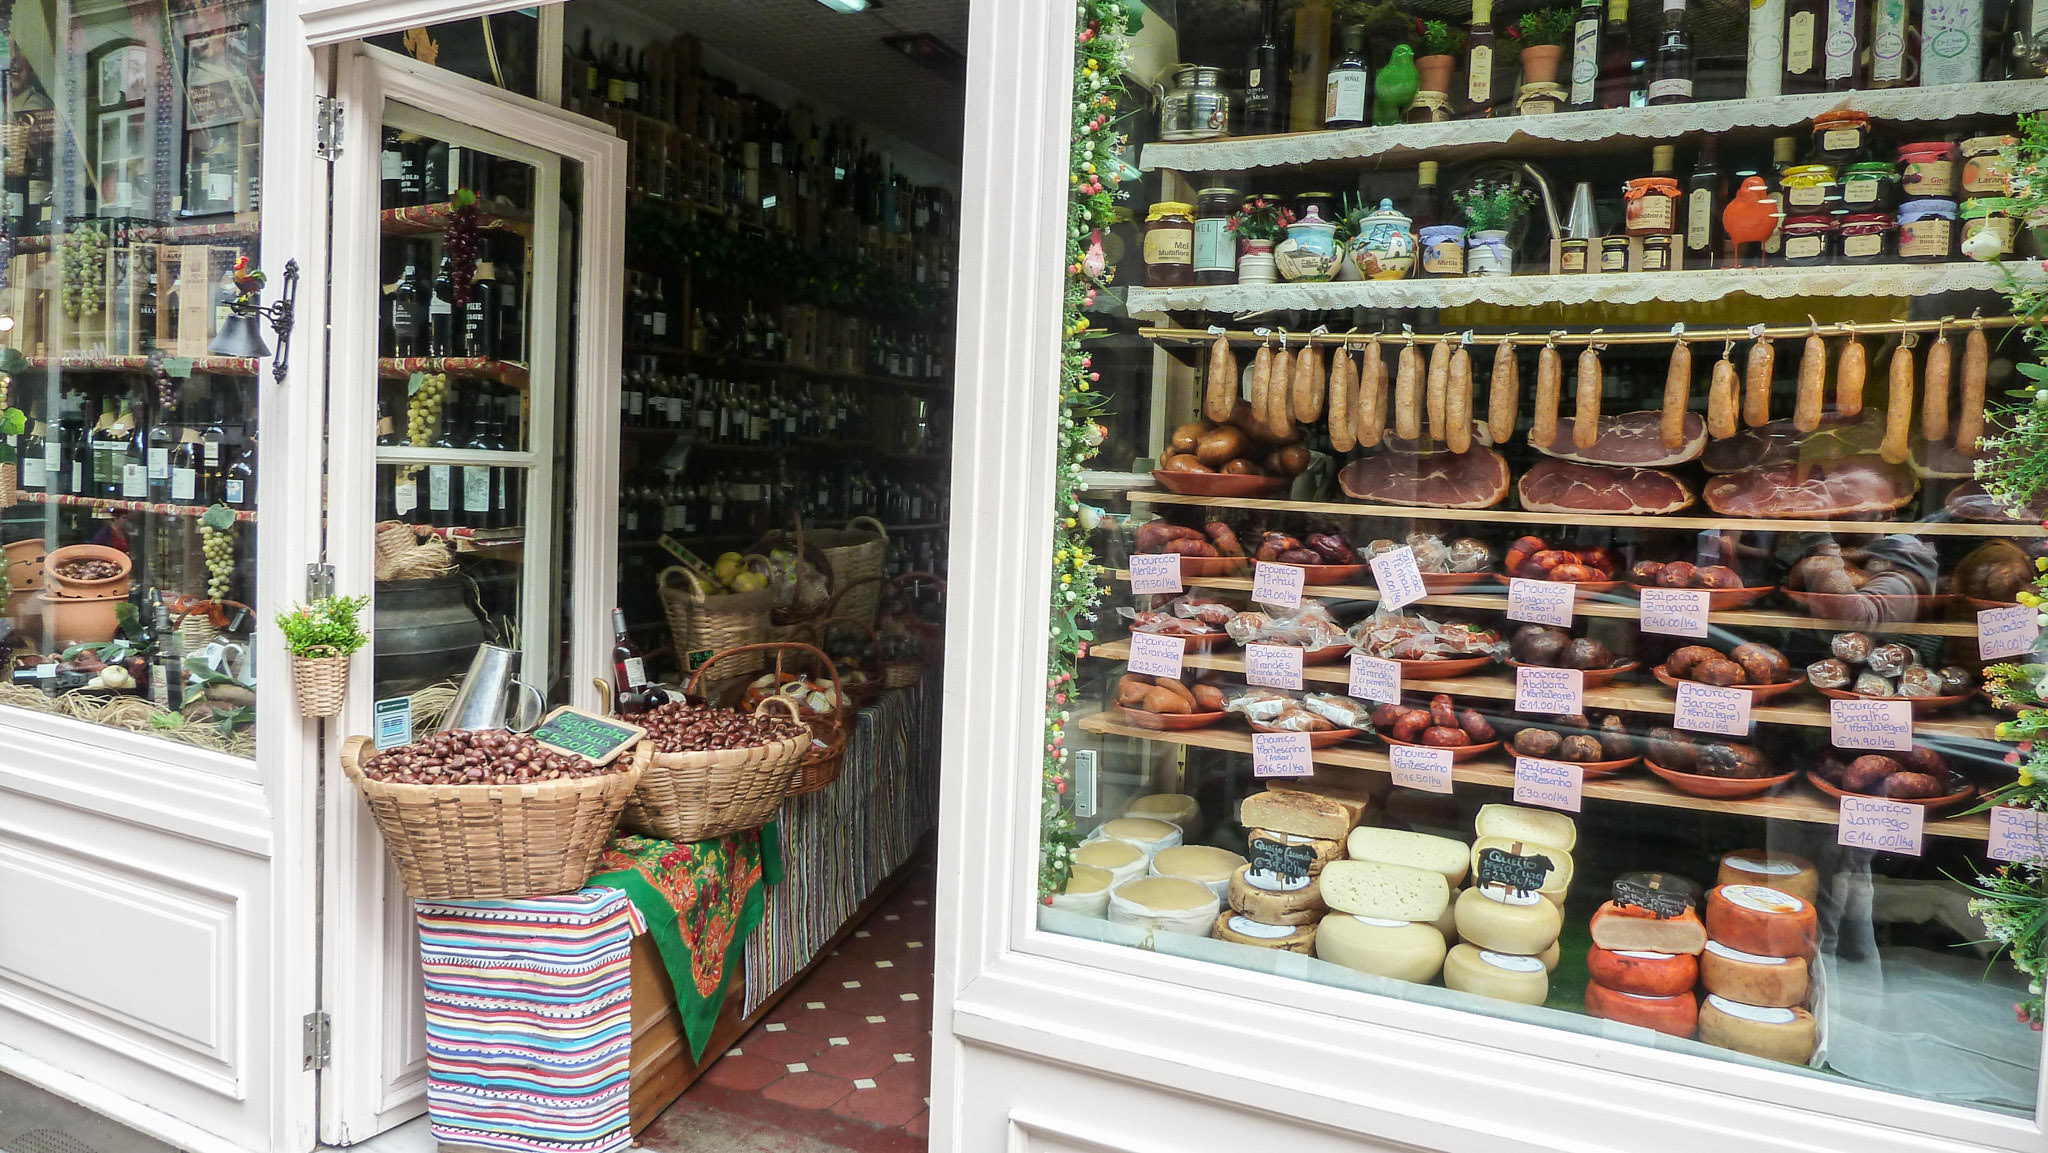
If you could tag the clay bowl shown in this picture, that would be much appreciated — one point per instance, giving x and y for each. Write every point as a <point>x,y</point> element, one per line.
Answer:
<point>24,564</point>
<point>1594,770</point>
<point>81,620</point>
<point>1853,606</point>
<point>1322,740</point>
<point>1327,655</point>
<point>1198,642</point>
<point>1445,582</point>
<point>1214,566</point>
<point>1720,599</point>
<point>1979,604</point>
<point>1172,722</point>
<point>1459,753</point>
<point>1219,483</point>
<point>1920,704</point>
<point>1720,788</point>
<point>116,585</point>
<point>1325,574</point>
<point>1582,590</point>
<point>1758,694</point>
<point>1442,669</point>
<point>1962,793</point>
<point>1593,678</point>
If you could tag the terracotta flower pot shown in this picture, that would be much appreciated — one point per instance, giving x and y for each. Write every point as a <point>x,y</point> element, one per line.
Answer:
<point>1539,63</point>
<point>1434,73</point>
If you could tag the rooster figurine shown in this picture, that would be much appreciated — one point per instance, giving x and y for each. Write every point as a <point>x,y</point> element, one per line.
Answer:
<point>1395,87</point>
<point>1751,215</point>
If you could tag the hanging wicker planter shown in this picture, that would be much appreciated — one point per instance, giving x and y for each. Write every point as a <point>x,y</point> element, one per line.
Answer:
<point>8,493</point>
<point>321,681</point>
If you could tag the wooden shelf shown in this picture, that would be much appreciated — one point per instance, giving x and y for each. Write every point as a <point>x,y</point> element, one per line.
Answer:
<point>454,456</point>
<point>243,227</point>
<point>1611,605</point>
<point>1643,696</point>
<point>1794,804</point>
<point>245,516</point>
<point>1600,520</point>
<point>425,219</point>
<point>782,367</point>
<point>504,372</point>
<point>79,362</point>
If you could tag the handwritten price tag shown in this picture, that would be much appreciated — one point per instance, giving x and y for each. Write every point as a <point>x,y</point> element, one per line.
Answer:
<point>1541,602</point>
<point>2016,834</point>
<point>1871,725</point>
<point>1272,666</point>
<point>1675,612</point>
<point>1706,709</point>
<point>1278,584</point>
<point>1155,655</point>
<point>1281,755</point>
<point>1155,572</point>
<point>1420,767</point>
<point>1374,679</point>
<point>1552,784</point>
<point>2012,631</point>
<point>1399,580</point>
<point>1875,823</point>
<point>1559,691</point>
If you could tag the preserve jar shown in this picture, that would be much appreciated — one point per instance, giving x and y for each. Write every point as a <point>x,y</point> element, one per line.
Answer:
<point>1651,205</point>
<point>1539,99</point>
<point>1990,214</point>
<point>1215,245</point>
<point>1807,187</point>
<point>1572,252</point>
<point>1657,253</point>
<point>1927,229</point>
<point>1808,239</point>
<point>1197,107</point>
<point>1927,169</point>
<point>1865,237</point>
<point>1443,250</point>
<point>1840,137</point>
<point>1983,166</point>
<point>1871,186</point>
<point>1170,244</point>
<point>1614,254</point>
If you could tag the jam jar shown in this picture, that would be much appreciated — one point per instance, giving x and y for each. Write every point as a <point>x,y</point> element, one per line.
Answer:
<point>1170,244</point>
<point>1652,205</point>
<point>1840,137</point>
<point>1927,170</point>
<point>1809,239</point>
<point>1656,253</point>
<point>1870,186</point>
<point>1983,166</point>
<point>1614,254</point>
<point>1865,237</point>
<point>1927,229</point>
<point>1571,254</point>
<point>1215,245</point>
<point>1982,214</point>
<point>1807,187</point>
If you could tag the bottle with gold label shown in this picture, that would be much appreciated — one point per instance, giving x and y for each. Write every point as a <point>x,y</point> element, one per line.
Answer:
<point>1804,29</point>
<point>1703,205</point>
<point>1479,60</point>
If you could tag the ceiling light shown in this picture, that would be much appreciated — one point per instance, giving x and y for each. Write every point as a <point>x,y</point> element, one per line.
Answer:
<point>932,52</point>
<point>845,5</point>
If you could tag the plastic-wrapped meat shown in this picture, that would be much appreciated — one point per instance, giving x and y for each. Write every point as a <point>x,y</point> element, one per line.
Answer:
<point>1852,648</point>
<point>1412,637</point>
<point>1293,718</point>
<point>1890,660</point>
<point>1343,712</point>
<point>1920,682</point>
<point>1261,705</point>
<point>1829,674</point>
<point>1208,610</point>
<point>1873,685</point>
<point>1309,626</point>
<point>1165,624</point>
<point>1431,553</point>
<point>1468,555</point>
<point>1956,680</point>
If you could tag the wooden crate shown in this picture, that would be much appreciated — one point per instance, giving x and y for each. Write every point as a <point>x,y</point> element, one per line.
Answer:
<point>662,1067</point>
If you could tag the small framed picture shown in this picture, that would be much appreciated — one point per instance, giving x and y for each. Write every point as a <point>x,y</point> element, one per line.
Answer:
<point>222,70</point>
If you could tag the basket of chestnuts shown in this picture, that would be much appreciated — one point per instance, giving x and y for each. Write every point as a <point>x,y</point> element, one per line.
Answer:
<point>485,813</point>
<point>708,771</point>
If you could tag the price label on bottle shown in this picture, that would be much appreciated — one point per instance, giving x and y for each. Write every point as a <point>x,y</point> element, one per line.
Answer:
<point>1421,767</point>
<point>1707,709</point>
<point>1273,666</point>
<point>1155,573</point>
<point>1552,784</point>
<point>1156,656</point>
<point>1281,755</point>
<point>1278,584</point>
<point>1885,725</point>
<point>1876,823</point>
<point>1675,612</point>
<point>2018,835</point>
<point>1375,679</point>
<point>2012,631</point>
<point>1558,692</point>
<point>1541,602</point>
<point>1398,578</point>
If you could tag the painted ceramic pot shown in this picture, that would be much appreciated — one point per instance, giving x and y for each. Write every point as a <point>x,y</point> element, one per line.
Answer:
<point>1385,248</point>
<point>1309,253</point>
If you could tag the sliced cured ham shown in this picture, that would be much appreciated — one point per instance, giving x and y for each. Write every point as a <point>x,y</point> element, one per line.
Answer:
<point>1475,479</point>
<point>1939,458</point>
<point>1631,438</point>
<point>1971,502</point>
<point>1564,486</point>
<point>1481,436</point>
<point>1779,443</point>
<point>1855,486</point>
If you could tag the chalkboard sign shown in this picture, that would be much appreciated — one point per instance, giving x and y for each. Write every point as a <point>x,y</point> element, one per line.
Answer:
<point>1287,860</point>
<point>596,739</point>
<point>1523,874</point>
<point>1665,903</point>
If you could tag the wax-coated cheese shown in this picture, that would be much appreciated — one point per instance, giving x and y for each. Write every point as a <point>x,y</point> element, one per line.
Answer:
<point>1535,826</point>
<point>1781,871</point>
<point>1204,863</point>
<point>1148,835</point>
<point>1555,882</point>
<point>1773,982</point>
<point>1173,808</point>
<point>1507,922</point>
<point>1777,1034</point>
<point>1167,904</point>
<point>1502,976</point>
<point>1642,972</point>
<point>1677,1014</point>
<point>1402,950</point>
<point>1326,850</point>
<point>1328,816</point>
<point>1665,883</point>
<point>1389,892</point>
<point>1416,850</point>
<point>1275,899</point>
<point>1086,892</point>
<point>1238,928</point>
<point>1633,927</point>
<point>1121,859</point>
<point>1767,922</point>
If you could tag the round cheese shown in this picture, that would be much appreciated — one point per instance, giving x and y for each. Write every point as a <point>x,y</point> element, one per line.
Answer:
<point>1325,850</point>
<point>1778,1034</point>
<point>1244,931</point>
<point>1401,950</point>
<point>1391,892</point>
<point>1555,882</point>
<point>1642,972</point>
<point>1166,904</point>
<point>1550,957</point>
<point>1634,927</point>
<point>1677,1015</point>
<point>1087,892</point>
<point>1507,922</point>
<point>1206,864</point>
<point>1148,835</point>
<point>1781,871</point>
<point>1767,922</point>
<point>1275,899</point>
<point>1534,826</point>
<point>1416,850</point>
<point>1123,860</point>
<point>1773,982</point>
<point>1502,976</point>
<point>1447,923</point>
<point>1174,808</point>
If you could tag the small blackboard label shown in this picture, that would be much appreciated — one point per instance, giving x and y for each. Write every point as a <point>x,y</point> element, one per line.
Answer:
<point>697,658</point>
<point>1523,874</point>
<point>1279,857</point>
<point>596,739</point>
<point>1665,903</point>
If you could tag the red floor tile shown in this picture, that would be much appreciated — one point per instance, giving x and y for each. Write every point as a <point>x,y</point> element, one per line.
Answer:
<point>880,1106</point>
<point>920,1125</point>
<point>782,1048</point>
<point>824,1022</point>
<point>808,1090</point>
<point>745,1072</point>
<point>852,1061</point>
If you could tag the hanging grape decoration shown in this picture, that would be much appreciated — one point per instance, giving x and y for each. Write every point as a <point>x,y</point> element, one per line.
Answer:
<point>458,244</point>
<point>84,260</point>
<point>166,384</point>
<point>217,541</point>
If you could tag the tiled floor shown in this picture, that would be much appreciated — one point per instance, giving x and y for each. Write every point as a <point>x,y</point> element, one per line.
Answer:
<point>843,1063</point>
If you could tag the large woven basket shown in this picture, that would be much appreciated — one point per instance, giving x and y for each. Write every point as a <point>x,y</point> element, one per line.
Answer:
<point>864,656</point>
<point>828,731</point>
<point>812,599</point>
<point>701,621</point>
<point>899,671</point>
<point>695,796</point>
<point>855,553</point>
<point>471,842</point>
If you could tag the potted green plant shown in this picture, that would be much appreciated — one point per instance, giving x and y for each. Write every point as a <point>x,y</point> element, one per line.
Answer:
<point>320,637</point>
<point>1490,209</point>
<point>1437,58</point>
<point>1258,226</point>
<point>1543,34</point>
<point>12,424</point>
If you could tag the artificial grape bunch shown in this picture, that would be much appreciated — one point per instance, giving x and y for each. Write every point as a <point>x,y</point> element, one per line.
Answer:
<point>458,244</point>
<point>166,384</point>
<point>423,410</point>
<point>219,546</point>
<point>85,270</point>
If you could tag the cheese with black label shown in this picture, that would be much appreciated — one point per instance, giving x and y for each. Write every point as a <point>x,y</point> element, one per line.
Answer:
<point>1275,899</point>
<point>1676,1014</point>
<point>1643,972</point>
<point>1121,859</point>
<point>1617,926</point>
<point>1415,850</point>
<point>1325,850</point>
<point>1238,928</point>
<point>1389,892</point>
<point>1507,922</point>
<point>1784,872</point>
<point>1555,882</point>
<point>1767,922</point>
<point>1519,823</point>
<point>1177,809</point>
<point>1751,979</point>
<point>1086,892</point>
<point>1502,976</point>
<point>1402,950</point>
<point>1777,1034</point>
<point>1204,863</point>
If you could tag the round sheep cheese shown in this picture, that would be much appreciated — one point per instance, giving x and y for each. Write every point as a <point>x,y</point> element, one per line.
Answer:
<point>1087,892</point>
<point>1774,982</point>
<point>1148,835</point>
<point>1173,808</point>
<point>1243,930</point>
<point>1391,892</point>
<point>1502,976</point>
<point>1275,899</point>
<point>1534,826</point>
<point>1167,904</point>
<point>1123,860</point>
<point>1416,850</point>
<point>1767,922</point>
<point>1778,1034</point>
<point>1642,972</point>
<point>1677,1014</point>
<point>1400,950</point>
<point>1204,863</point>
<point>1784,872</point>
<point>1508,922</point>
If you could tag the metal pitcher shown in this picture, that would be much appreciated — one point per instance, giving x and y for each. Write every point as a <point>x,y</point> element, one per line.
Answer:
<point>486,690</point>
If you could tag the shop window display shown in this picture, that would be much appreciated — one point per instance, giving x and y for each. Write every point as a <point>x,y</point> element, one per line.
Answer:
<point>1533,610</point>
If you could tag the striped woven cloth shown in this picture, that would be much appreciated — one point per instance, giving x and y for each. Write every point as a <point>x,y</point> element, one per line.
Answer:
<point>529,1008</point>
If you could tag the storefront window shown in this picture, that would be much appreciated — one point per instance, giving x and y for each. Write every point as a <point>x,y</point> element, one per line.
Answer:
<point>132,145</point>
<point>1532,610</point>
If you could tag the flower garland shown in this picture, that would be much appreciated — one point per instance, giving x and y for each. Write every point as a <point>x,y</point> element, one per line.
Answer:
<point>1099,62</point>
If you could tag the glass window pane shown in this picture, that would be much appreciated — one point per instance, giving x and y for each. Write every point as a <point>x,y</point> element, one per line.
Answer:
<point>501,49</point>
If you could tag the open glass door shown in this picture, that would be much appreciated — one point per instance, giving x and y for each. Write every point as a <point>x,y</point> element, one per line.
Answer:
<point>476,275</point>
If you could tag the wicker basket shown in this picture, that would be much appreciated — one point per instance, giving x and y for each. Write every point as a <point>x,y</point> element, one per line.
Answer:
<point>828,732</point>
<point>322,682</point>
<point>471,842</point>
<point>700,620</point>
<point>901,672</point>
<point>9,496</point>
<point>869,687</point>
<point>792,622</point>
<point>694,796</point>
<point>855,554</point>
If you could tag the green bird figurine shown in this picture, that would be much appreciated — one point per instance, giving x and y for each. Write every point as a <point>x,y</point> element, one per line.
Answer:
<point>1394,89</point>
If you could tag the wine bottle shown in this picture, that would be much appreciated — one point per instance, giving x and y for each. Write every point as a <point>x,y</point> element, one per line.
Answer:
<point>441,477</point>
<point>478,487</point>
<point>629,669</point>
<point>1344,97</point>
<point>406,305</point>
<point>1585,74</point>
<point>1671,72</point>
<point>1265,77</point>
<point>1841,44</point>
<point>1619,83</point>
<point>1311,66</point>
<point>441,330</point>
<point>1803,38</point>
<point>1479,60</point>
<point>1702,205</point>
<point>479,324</point>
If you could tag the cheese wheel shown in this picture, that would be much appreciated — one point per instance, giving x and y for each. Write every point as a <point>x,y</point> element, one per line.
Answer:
<point>1325,816</point>
<point>1555,882</point>
<point>1778,1034</point>
<point>1389,892</point>
<point>1203,863</point>
<point>1773,982</point>
<point>1767,922</point>
<point>1551,956</point>
<point>1173,808</point>
<point>1275,899</point>
<point>1148,835</point>
<point>1326,850</point>
<point>1242,930</point>
<point>1506,922</point>
<point>1416,850</point>
<point>1123,860</point>
<point>1087,892</point>
<point>1633,927</point>
<point>1502,976</point>
<point>1642,972</point>
<point>1535,826</point>
<point>1401,950</point>
<point>1666,882</point>
<point>1677,1014</point>
<point>1781,871</point>
<point>1447,922</point>
<point>1164,904</point>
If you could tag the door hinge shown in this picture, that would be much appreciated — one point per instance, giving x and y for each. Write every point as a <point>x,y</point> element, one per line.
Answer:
<point>319,582</point>
<point>327,128</point>
<point>316,1039</point>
